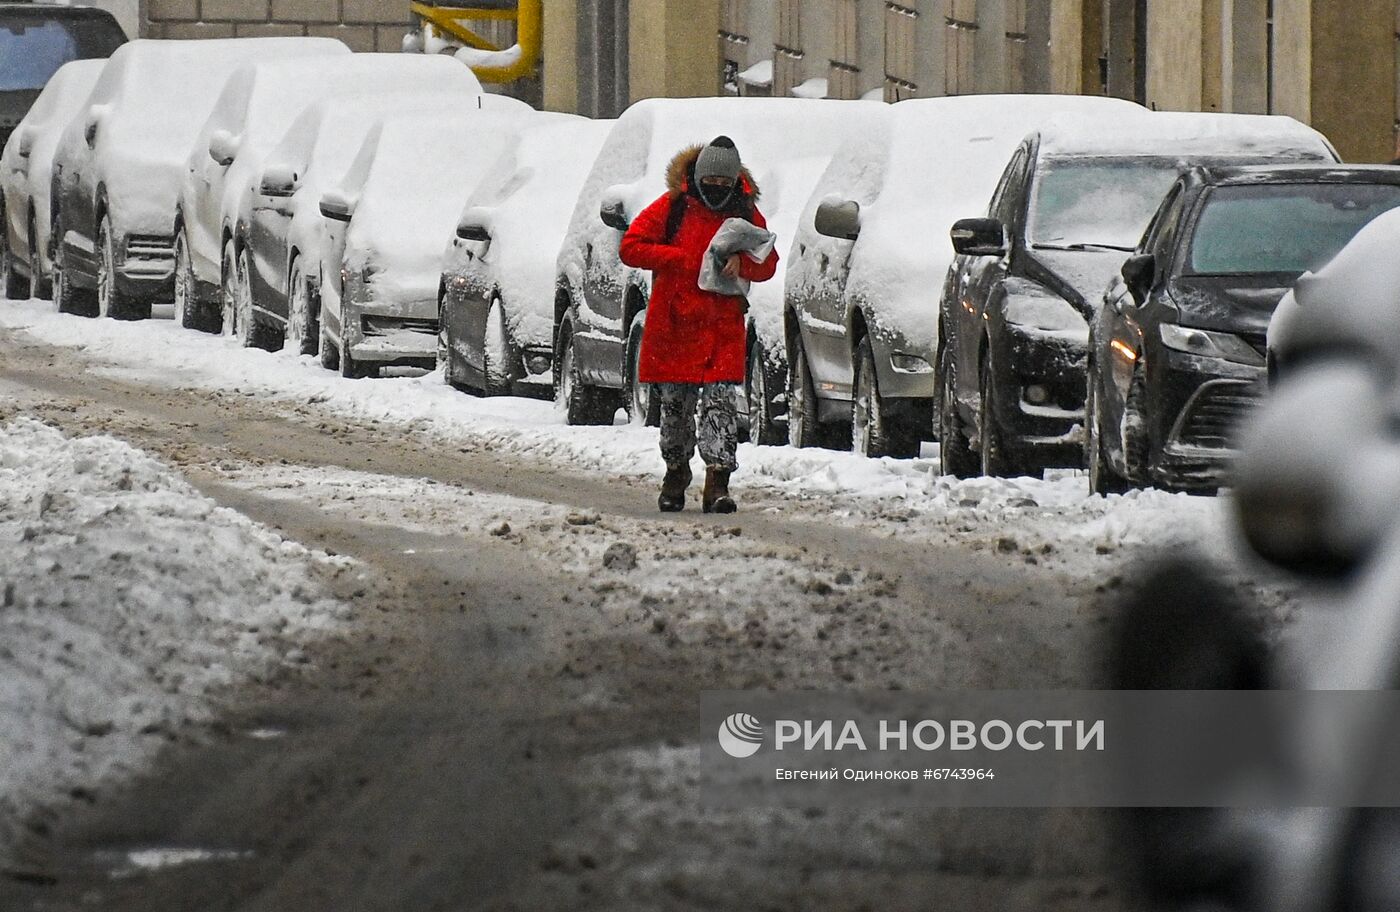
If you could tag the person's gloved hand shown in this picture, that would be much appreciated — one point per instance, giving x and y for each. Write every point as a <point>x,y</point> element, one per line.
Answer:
<point>731,267</point>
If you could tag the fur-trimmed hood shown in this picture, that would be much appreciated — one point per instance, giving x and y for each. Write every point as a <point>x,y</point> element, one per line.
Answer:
<point>680,174</point>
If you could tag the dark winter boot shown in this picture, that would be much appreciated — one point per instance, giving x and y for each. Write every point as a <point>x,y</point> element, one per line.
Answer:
<point>672,499</point>
<point>716,496</point>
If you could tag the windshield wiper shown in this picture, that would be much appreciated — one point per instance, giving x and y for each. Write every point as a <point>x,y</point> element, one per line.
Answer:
<point>1082,247</point>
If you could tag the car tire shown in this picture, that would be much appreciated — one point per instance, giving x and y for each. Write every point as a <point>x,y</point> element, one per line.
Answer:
<point>249,330</point>
<point>762,389</point>
<point>330,352</point>
<point>1103,477</point>
<point>189,312</point>
<point>874,432</point>
<point>111,301</point>
<point>956,455</point>
<point>40,286</point>
<point>352,369</point>
<point>500,361</point>
<point>302,334</point>
<point>228,303</point>
<point>16,285</point>
<point>805,429</point>
<point>996,461</point>
<point>449,360</point>
<point>580,403</point>
<point>68,298</point>
<point>643,407</point>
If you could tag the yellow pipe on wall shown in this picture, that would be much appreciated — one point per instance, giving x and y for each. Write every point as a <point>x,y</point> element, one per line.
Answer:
<point>529,34</point>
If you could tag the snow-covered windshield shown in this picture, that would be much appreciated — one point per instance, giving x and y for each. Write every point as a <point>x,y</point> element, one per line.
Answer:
<point>1094,202</point>
<point>32,49</point>
<point>1283,228</point>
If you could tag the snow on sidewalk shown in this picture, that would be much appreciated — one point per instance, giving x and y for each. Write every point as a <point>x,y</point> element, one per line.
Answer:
<point>126,600</point>
<point>1054,510</point>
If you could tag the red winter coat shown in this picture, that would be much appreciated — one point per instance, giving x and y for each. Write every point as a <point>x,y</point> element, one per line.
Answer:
<point>691,335</point>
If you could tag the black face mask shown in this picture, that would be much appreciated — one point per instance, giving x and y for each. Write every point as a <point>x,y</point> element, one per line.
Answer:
<point>717,198</point>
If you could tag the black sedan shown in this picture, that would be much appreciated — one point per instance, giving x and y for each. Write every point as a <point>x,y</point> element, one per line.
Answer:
<point>1177,351</point>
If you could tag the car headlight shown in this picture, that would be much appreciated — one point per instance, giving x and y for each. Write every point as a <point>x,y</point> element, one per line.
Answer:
<point>1207,344</point>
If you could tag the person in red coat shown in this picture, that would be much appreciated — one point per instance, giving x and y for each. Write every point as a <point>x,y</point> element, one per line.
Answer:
<point>694,345</point>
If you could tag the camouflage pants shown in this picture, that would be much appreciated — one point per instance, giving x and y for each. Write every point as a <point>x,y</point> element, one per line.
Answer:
<point>718,432</point>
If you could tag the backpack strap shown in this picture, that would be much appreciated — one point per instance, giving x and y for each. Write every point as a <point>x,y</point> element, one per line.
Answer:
<point>674,217</point>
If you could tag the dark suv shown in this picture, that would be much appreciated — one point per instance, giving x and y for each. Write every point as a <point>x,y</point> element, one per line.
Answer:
<point>1177,353</point>
<point>1028,280</point>
<point>35,40</point>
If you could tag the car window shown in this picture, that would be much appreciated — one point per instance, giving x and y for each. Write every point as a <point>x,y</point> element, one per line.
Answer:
<point>1166,218</point>
<point>32,48</point>
<point>1282,228</point>
<point>1097,201</point>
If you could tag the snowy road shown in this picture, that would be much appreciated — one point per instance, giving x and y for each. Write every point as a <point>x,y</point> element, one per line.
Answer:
<point>505,724</point>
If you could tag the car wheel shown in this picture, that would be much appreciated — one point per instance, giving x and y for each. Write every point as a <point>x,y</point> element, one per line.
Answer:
<point>16,285</point>
<point>351,369</point>
<point>448,358</point>
<point>643,408</point>
<point>955,450</point>
<point>70,299</point>
<point>874,432</point>
<point>804,427</point>
<point>189,313</point>
<point>228,302</point>
<point>303,331</point>
<point>330,352</point>
<point>250,331</point>
<point>1103,478</point>
<point>759,388</point>
<point>111,302</point>
<point>499,358</point>
<point>40,286</point>
<point>996,461</point>
<point>580,403</point>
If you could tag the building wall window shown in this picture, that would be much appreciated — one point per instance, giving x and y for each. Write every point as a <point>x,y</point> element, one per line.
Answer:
<point>788,56</point>
<point>959,70</point>
<point>901,50</point>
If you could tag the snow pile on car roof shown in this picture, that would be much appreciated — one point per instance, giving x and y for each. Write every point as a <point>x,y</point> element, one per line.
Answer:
<point>412,177</point>
<point>1184,135</point>
<point>126,600</point>
<point>526,201</point>
<point>932,162</point>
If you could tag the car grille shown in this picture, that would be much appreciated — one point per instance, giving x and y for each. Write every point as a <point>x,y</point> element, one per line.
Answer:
<point>378,326</point>
<point>1212,415</point>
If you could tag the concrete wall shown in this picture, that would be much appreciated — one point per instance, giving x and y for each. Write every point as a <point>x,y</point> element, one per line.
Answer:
<point>1354,78</point>
<point>364,25</point>
<point>673,49</point>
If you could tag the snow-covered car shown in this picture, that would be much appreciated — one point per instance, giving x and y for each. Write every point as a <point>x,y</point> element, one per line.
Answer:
<point>1176,352</point>
<point>386,222</point>
<point>860,316</point>
<point>225,167</point>
<point>1349,304</point>
<point>600,304</point>
<point>1030,277</point>
<point>285,230</point>
<point>496,309</point>
<point>36,40</point>
<point>26,168</point>
<point>119,162</point>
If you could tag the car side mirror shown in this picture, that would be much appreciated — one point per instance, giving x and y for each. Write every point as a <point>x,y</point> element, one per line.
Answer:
<point>614,215</point>
<point>838,218</point>
<point>24,144</point>
<point>979,237</point>
<point>223,147</point>
<point>1140,275</point>
<point>278,180</point>
<point>473,231</point>
<point>95,116</point>
<point>337,207</point>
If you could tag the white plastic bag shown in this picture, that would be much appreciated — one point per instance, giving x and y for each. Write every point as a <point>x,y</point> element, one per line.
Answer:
<point>736,235</point>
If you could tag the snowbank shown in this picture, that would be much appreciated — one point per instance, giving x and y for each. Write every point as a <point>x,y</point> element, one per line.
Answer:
<point>126,600</point>
<point>1057,511</point>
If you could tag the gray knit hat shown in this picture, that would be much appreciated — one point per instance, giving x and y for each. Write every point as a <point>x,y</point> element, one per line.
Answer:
<point>718,159</point>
